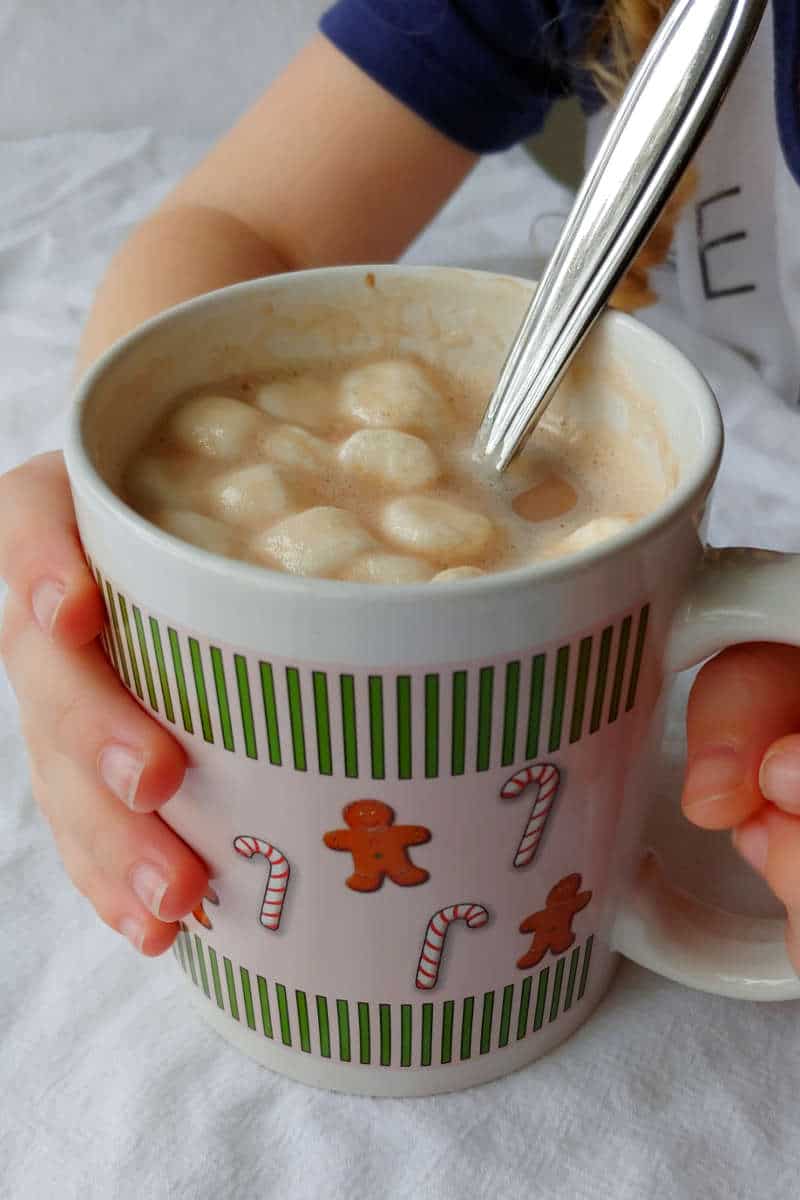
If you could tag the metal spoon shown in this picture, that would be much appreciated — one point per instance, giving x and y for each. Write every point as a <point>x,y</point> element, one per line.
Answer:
<point>665,110</point>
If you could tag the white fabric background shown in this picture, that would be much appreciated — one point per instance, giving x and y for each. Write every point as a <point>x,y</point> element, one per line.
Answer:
<point>109,1085</point>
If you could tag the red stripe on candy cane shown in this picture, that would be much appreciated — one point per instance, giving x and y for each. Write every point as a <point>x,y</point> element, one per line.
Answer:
<point>277,877</point>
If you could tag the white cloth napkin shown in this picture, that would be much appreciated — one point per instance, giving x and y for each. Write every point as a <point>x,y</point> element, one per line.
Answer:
<point>110,1086</point>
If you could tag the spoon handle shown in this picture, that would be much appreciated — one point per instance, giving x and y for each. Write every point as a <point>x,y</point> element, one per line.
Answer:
<point>664,112</point>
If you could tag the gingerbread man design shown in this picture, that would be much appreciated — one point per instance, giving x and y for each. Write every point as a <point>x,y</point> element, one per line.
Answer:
<point>552,927</point>
<point>378,846</point>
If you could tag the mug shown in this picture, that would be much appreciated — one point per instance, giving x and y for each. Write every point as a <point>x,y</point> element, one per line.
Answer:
<point>421,806</point>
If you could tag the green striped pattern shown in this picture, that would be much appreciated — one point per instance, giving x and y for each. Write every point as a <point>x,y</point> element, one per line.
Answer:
<point>387,1035</point>
<point>392,726</point>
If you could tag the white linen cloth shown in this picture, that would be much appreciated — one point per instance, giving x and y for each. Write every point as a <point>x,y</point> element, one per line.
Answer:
<point>110,1086</point>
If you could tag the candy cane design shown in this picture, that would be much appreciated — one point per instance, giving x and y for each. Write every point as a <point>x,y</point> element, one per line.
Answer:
<point>474,916</point>
<point>545,778</point>
<point>277,879</point>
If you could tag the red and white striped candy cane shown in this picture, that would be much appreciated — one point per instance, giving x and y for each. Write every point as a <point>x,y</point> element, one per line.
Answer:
<point>277,879</point>
<point>474,915</point>
<point>545,778</point>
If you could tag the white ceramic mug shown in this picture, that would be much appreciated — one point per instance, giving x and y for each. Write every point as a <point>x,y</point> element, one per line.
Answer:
<point>421,806</point>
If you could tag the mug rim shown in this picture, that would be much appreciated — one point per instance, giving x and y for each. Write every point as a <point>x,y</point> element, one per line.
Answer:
<point>85,477</point>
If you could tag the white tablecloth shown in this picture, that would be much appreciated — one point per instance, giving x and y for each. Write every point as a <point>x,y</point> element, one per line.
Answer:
<point>109,1084</point>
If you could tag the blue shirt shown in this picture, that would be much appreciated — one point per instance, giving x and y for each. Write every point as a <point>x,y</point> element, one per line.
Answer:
<point>485,72</point>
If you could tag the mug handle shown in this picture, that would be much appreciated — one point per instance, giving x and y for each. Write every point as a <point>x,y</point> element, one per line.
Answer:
<point>738,595</point>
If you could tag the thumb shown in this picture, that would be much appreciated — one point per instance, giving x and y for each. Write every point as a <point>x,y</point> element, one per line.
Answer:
<point>742,701</point>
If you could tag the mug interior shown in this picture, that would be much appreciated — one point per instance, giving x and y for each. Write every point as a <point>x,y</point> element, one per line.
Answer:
<point>625,376</point>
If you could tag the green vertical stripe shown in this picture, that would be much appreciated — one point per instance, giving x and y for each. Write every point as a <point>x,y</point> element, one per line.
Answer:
<point>137,682</point>
<point>223,707</point>
<point>619,673</point>
<point>641,634</point>
<point>283,1014</point>
<point>148,673</point>
<point>349,726</point>
<point>302,1020</point>
<point>190,956</point>
<point>524,1005</point>
<point>573,971</point>
<point>112,609</point>
<point>109,631</point>
<point>485,690</point>
<point>324,1027</point>
<point>587,956</point>
<point>535,706</point>
<point>404,748</point>
<point>200,689</point>
<point>263,999</point>
<point>212,954</point>
<point>486,1022</point>
<point>376,727</point>
<point>510,712</point>
<point>431,726</point>
<point>343,1023</point>
<point>270,713</point>
<point>363,1033</point>
<point>296,718</point>
<point>234,1003</point>
<point>601,678</point>
<point>179,945</point>
<point>180,679</point>
<point>201,962</point>
<point>108,641</point>
<point>541,999</point>
<point>505,1014</point>
<point>248,997</point>
<point>557,981</point>
<point>467,1010</point>
<point>322,722</point>
<point>245,705</point>
<point>447,1031</point>
<point>559,696</point>
<point>579,697</point>
<point>166,693</point>
<point>427,1035</point>
<point>385,1015</point>
<point>459,736</point>
<point>405,1035</point>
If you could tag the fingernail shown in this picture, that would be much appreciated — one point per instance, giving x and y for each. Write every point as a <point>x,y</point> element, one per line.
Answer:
<point>130,928</point>
<point>711,777</point>
<point>46,600</point>
<point>149,885</point>
<point>752,842</point>
<point>121,769</point>
<point>779,779</point>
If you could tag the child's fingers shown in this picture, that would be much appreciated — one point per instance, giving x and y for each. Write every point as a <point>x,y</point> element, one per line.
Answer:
<point>770,842</point>
<point>742,702</point>
<point>73,706</point>
<point>40,555</point>
<point>138,874</point>
<point>779,775</point>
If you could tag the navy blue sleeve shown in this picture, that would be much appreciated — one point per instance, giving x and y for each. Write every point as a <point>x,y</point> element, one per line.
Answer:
<point>484,72</point>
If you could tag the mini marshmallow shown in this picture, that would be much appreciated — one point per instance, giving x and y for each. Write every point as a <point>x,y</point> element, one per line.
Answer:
<point>319,541</point>
<point>453,574</point>
<point>436,528</point>
<point>388,568</point>
<point>598,530</point>
<point>166,481</point>
<point>249,496</point>
<point>296,448</point>
<point>393,395</point>
<point>394,459</point>
<point>215,426</point>
<point>194,528</point>
<point>303,401</point>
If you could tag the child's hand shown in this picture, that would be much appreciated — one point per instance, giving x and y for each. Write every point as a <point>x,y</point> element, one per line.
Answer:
<point>99,766</point>
<point>744,764</point>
